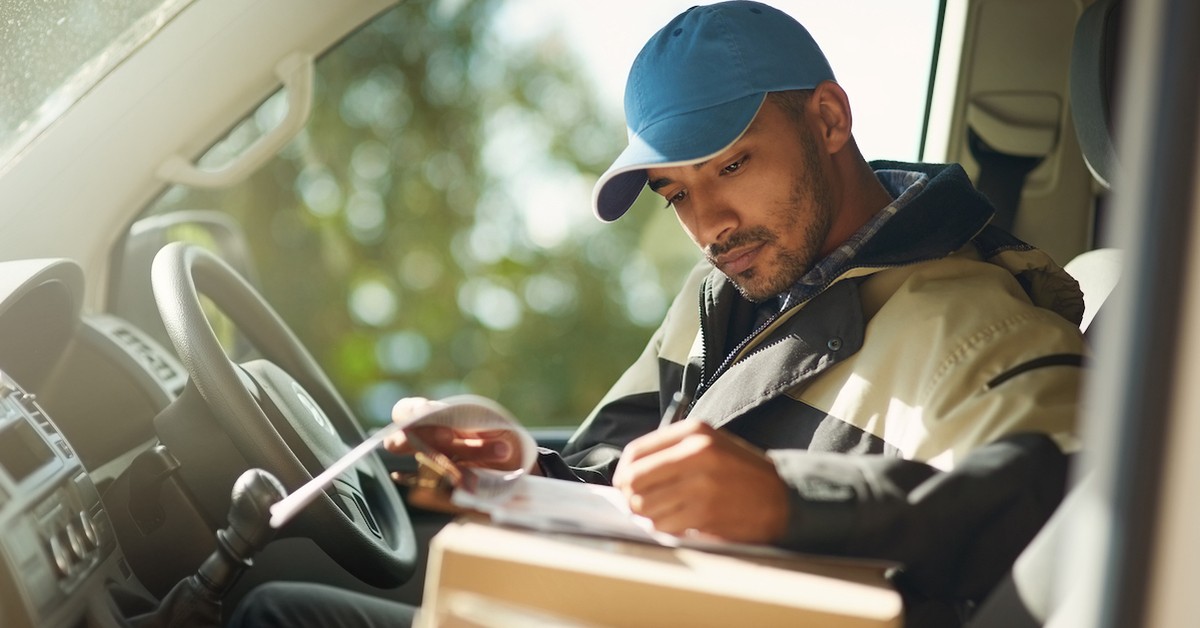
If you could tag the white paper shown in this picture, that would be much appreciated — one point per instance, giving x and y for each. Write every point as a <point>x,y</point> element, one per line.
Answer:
<point>564,506</point>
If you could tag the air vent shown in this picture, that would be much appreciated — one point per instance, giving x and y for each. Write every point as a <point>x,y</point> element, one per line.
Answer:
<point>158,363</point>
<point>147,354</point>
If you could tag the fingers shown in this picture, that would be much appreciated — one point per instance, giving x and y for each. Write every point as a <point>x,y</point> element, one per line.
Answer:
<point>488,446</point>
<point>473,450</point>
<point>496,449</point>
<point>463,446</point>
<point>665,437</point>
<point>410,408</point>
<point>397,443</point>
<point>404,411</point>
<point>699,479</point>
<point>665,480</point>
<point>662,440</point>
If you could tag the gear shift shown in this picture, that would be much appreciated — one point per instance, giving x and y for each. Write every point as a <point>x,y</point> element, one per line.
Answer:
<point>196,600</point>
<point>249,530</point>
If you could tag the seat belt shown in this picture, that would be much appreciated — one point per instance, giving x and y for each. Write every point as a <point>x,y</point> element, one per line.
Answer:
<point>1001,178</point>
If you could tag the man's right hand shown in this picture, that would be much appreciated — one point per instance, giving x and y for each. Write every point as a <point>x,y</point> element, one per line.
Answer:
<point>690,476</point>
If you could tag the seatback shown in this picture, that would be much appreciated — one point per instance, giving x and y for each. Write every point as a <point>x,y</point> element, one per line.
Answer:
<point>1093,78</point>
<point>1092,83</point>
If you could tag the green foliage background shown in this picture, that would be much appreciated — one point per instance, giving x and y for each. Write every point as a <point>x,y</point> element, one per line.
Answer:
<point>388,237</point>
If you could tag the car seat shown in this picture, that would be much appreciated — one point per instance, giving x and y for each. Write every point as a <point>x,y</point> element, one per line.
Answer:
<point>1092,81</point>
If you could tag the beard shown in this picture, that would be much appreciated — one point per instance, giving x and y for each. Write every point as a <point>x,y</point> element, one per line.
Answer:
<point>807,211</point>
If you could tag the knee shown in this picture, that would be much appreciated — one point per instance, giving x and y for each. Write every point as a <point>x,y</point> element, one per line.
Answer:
<point>268,605</point>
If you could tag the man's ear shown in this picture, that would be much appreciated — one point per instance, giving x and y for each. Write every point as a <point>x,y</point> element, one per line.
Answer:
<point>831,112</point>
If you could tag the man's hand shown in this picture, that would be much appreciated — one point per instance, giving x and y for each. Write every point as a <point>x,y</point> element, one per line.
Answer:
<point>689,476</point>
<point>494,449</point>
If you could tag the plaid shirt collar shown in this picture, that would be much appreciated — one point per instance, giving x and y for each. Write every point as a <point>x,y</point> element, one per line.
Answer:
<point>904,186</point>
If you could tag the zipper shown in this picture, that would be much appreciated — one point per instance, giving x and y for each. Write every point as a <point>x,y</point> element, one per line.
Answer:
<point>701,386</point>
<point>706,382</point>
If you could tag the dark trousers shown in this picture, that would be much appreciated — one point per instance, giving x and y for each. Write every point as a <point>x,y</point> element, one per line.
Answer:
<point>307,605</point>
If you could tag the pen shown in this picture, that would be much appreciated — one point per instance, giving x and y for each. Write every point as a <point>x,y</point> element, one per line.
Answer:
<point>674,410</point>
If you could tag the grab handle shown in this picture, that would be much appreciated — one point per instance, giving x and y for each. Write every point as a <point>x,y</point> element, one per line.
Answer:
<point>296,73</point>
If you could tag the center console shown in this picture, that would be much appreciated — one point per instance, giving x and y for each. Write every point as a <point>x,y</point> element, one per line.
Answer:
<point>58,551</point>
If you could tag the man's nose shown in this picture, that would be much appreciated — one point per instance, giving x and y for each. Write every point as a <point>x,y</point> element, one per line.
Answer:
<point>715,220</point>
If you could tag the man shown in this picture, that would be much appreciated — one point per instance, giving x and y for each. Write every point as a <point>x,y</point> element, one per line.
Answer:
<point>868,368</point>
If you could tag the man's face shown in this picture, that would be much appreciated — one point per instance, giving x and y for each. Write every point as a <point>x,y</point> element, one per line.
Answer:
<point>760,211</point>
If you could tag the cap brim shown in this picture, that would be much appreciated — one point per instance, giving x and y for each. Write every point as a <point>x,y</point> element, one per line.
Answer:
<point>681,140</point>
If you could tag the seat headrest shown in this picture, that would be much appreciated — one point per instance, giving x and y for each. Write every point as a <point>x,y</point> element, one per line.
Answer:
<point>1093,75</point>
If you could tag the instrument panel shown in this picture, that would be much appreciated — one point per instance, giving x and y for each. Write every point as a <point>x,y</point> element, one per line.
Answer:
<point>58,548</point>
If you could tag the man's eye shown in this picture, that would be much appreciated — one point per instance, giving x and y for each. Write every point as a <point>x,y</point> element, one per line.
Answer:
<point>733,167</point>
<point>677,197</point>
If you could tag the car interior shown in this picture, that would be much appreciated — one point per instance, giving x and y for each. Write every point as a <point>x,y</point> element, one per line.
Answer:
<point>148,365</point>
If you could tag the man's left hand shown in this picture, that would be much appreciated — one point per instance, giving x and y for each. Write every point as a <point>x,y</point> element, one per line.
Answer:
<point>691,477</point>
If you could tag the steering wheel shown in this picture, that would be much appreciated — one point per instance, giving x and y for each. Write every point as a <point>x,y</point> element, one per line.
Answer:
<point>282,414</point>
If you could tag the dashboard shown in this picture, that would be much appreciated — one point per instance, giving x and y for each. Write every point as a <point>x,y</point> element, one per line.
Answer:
<point>77,401</point>
<point>102,518</point>
<point>59,549</point>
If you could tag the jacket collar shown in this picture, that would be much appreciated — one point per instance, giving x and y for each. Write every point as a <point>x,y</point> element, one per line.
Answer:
<point>923,229</point>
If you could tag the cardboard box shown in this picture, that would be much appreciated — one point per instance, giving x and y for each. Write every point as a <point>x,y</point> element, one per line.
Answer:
<point>484,575</point>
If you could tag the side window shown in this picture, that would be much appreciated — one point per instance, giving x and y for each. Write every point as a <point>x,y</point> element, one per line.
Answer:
<point>429,232</point>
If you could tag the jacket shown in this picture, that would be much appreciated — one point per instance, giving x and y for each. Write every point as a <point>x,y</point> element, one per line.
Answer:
<point>946,354</point>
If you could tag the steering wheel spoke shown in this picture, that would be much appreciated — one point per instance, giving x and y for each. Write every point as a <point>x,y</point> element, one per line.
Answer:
<point>357,508</point>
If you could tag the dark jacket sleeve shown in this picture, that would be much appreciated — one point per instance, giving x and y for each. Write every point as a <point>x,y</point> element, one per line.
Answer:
<point>955,533</point>
<point>593,453</point>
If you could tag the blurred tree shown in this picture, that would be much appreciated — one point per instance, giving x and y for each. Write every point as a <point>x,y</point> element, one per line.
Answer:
<point>430,232</point>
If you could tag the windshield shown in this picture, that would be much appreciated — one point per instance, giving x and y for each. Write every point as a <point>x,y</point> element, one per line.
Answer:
<point>53,51</point>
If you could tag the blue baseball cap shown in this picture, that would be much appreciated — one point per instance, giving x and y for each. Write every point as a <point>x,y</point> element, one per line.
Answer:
<point>696,86</point>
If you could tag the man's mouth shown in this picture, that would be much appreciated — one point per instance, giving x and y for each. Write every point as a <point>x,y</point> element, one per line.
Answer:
<point>739,260</point>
